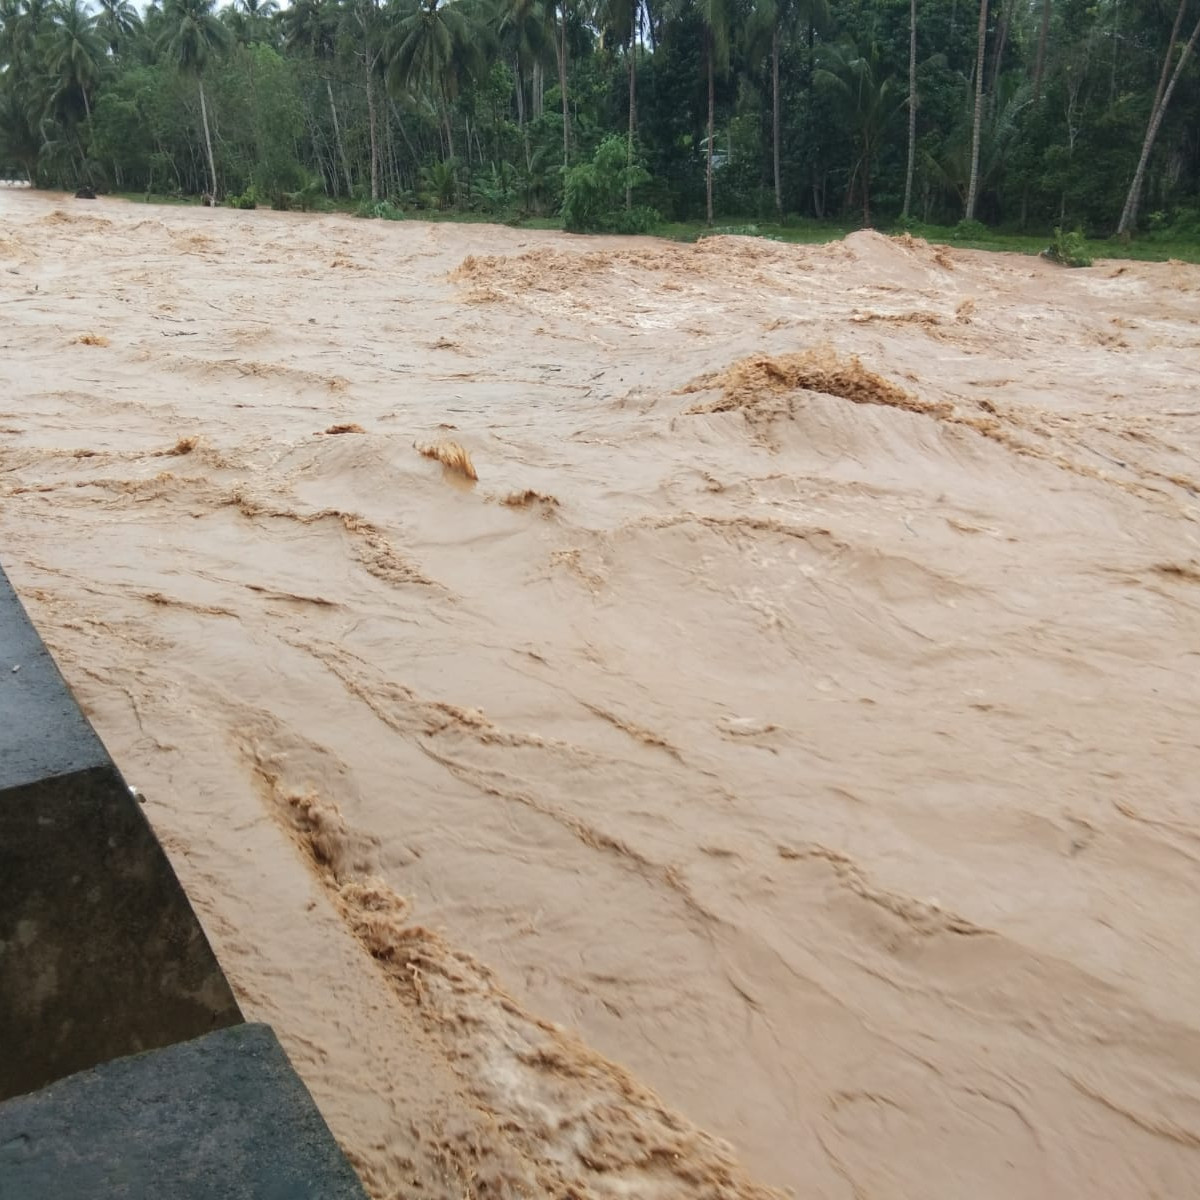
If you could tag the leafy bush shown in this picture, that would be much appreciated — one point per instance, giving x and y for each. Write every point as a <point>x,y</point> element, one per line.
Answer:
<point>1069,249</point>
<point>248,199</point>
<point>638,219</point>
<point>383,210</point>
<point>439,184</point>
<point>1185,223</point>
<point>538,182</point>
<point>969,231</point>
<point>594,193</point>
<point>495,191</point>
<point>309,196</point>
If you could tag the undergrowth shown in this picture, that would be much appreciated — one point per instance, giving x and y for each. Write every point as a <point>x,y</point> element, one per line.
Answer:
<point>1069,249</point>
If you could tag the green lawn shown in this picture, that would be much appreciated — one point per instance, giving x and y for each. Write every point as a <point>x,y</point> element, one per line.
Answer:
<point>1149,247</point>
<point>144,198</point>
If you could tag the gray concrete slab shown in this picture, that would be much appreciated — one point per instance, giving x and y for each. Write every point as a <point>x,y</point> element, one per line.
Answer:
<point>223,1117</point>
<point>101,954</point>
<point>42,731</point>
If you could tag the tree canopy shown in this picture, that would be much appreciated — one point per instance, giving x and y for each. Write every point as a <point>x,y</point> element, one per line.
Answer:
<point>1022,115</point>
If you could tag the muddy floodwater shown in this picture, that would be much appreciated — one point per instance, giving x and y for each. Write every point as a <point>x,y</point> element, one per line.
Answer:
<point>777,773</point>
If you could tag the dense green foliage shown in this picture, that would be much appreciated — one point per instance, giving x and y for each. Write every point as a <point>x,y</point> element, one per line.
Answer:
<point>601,113</point>
<point>594,193</point>
<point>1069,249</point>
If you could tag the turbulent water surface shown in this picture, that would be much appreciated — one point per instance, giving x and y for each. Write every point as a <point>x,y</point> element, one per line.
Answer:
<point>777,772</point>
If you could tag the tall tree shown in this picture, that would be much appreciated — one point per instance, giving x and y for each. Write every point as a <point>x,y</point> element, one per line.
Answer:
<point>1162,99</point>
<point>977,125</point>
<point>34,22</point>
<point>434,46</point>
<point>192,36</point>
<point>116,23</point>
<point>716,16</point>
<point>1043,36</point>
<point>21,131</point>
<point>912,107</point>
<point>525,29</point>
<point>365,16</point>
<point>769,23</point>
<point>251,20</point>
<point>621,20</point>
<point>311,26</point>
<point>74,50</point>
<point>868,101</point>
<point>562,81</point>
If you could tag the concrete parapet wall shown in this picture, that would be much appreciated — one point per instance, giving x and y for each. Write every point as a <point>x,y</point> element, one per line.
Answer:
<point>126,1070</point>
<point>223,1117</point>
<point>101,954</point>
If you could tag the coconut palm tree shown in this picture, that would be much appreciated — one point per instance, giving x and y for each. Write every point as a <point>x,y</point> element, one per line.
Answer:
<point>432,48</point>
<point>1162,98</point>
<point>912,108</point>
<point>868,101</point>
<point>192,35</point>
<point>251,21</point>
<point>25,96</point>
<point>717,18</point>
<point>33,24</point>
<point>19,140</point>
<point>561,48</point>
<point>74,51</point>
<point>621,20</point>
<point>10,32</point>
<point>1043,40</point>
<point>311,26</point>
<point>769,22</point>
<point>981,44</point>
<point>362,18</point>
<point>117,21</point>
<point>525,29</point>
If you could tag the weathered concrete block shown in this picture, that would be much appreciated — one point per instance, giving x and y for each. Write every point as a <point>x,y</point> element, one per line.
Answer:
<point>223,1117</point>
<point>101,954</point>
<point>43,733</point>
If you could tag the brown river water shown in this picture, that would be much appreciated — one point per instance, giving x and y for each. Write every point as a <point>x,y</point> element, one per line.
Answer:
<point>778,773</point>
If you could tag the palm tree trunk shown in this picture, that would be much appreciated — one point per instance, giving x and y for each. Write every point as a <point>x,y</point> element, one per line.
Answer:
<point>337,136</point>
<point>412,150</point>
<point>212,166</point>
<point>373,132</point>
<point>817,192</point>
<point>708,168</point>
<point>1129,215</point>
<point>775,115</point>
<point>1043,34</point>
<point>1116,41</point>
<point>912,107</point>
<point>562,84</point>
<point>391,171</point>
<point>973,188</point>
<point>524,125</point>
<point>1166,67</point>
<point>1003,20</point>
<point>632,113</point>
